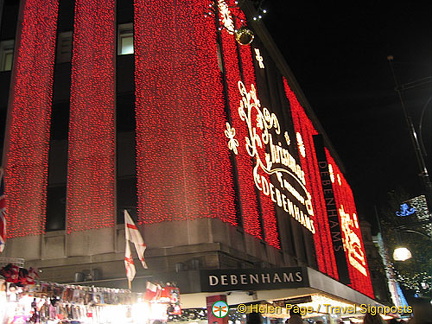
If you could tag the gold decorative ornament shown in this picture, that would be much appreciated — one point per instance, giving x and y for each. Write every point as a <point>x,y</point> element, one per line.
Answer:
<point>244,36</point>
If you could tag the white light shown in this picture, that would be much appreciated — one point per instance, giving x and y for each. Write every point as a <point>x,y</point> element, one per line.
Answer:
<point>351,241</point>
<point>401,254</point>
<point>278,161</point>
<point>331,173</point>
<point>260,59</point>
<point>300,144</point>
<point>225,13</point>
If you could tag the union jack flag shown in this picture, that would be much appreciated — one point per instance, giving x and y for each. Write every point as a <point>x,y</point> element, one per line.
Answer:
<point>2,212</point>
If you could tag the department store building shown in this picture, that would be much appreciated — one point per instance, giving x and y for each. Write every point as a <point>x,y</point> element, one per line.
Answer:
<point>185,114</point>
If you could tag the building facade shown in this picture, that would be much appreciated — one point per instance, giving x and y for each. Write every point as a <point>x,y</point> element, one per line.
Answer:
<point>185,114</point>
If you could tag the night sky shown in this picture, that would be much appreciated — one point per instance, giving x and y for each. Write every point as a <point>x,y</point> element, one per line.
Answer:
<point>338,53</point>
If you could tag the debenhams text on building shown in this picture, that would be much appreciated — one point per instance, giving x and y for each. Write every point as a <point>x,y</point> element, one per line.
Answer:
<point>245,279</point>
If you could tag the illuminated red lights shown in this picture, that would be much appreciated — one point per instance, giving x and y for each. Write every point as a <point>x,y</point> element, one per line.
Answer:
<point>267,208</point>
<point>29,119</point>
<point>183,101</point>
<point>323,242</point>
<point>248,199</point>
<point>91,161</point>
<point>358,271</point>
<point>353,243</point>
<point>180,116</point>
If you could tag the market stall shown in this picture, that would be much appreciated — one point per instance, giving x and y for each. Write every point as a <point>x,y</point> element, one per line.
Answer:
<point>26,300</point>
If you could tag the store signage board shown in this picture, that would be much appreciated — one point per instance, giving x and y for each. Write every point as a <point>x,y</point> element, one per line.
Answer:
<point>253,279</point>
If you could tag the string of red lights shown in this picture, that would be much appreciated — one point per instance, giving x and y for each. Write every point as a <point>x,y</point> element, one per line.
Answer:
<point>248,73</point>
<point>351,233</point>
<point>91,155</point>
<point>248,200</point>
<point>30,115</point>
<point>183,167</point>
<point>323,242</point>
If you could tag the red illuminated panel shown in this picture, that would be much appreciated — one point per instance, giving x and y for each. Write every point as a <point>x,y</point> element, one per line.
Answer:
<point>91,164</point>
<point>304,126</point>
<point>246,186</point>
<point>270,229</point>
<point>350,228</point>
<point>183,166</point>
<point>29,119</point>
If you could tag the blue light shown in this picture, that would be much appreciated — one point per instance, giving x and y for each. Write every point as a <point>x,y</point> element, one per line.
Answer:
<point>405,210</point>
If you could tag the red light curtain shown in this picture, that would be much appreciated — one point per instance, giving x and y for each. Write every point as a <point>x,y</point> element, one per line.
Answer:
<point>267,206</point>
<point>322,239</point>
<point>248,199</point>
<point>91,164</point>
<point>29,118</point>
<point>183,166</point>
<point>350,228</point>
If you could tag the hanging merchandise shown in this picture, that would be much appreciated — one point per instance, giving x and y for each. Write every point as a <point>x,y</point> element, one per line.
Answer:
<point>52,303</point>
<point>165,298</point>
<point>19,276</point>
<point>171,296</point>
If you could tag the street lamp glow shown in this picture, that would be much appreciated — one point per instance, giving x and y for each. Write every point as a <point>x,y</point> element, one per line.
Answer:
<point>402,254</point>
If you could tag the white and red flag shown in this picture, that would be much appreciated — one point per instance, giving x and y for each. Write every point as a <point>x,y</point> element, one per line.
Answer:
<point>153,291</point>
<point>133,236</point>
<point>2,212</point>
<point>129,263</point>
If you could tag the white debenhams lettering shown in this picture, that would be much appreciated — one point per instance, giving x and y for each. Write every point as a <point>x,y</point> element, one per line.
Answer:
<point>213,280</point>
<point>276,278</point>
<point>224,280</point>
<point>251,279</point>
<point>234,280</point>
<point>265,278</point>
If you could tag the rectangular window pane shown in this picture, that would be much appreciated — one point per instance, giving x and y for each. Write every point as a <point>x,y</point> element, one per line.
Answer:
<point>8,61</point>
<point>64,47</point>
<point>6,55</point>
<point>125,39</point>
<point>127,44</point>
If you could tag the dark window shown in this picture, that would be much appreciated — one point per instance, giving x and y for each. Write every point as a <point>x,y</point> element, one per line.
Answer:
<point>56,208</point>
<point>126,198</point>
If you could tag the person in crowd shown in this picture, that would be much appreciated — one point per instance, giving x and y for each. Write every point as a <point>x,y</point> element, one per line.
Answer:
<point>373,319</point>
<point>295,317</point>
<point>253,318</point>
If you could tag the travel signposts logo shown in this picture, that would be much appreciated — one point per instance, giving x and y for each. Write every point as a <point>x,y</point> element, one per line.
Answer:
<point>220,309</point>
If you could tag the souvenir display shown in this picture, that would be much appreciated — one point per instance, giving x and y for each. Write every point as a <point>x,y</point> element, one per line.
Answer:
<point>52,303</point>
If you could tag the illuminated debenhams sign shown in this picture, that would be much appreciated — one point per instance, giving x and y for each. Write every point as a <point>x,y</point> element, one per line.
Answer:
<point>272,159</point>
<point>253,279</point>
